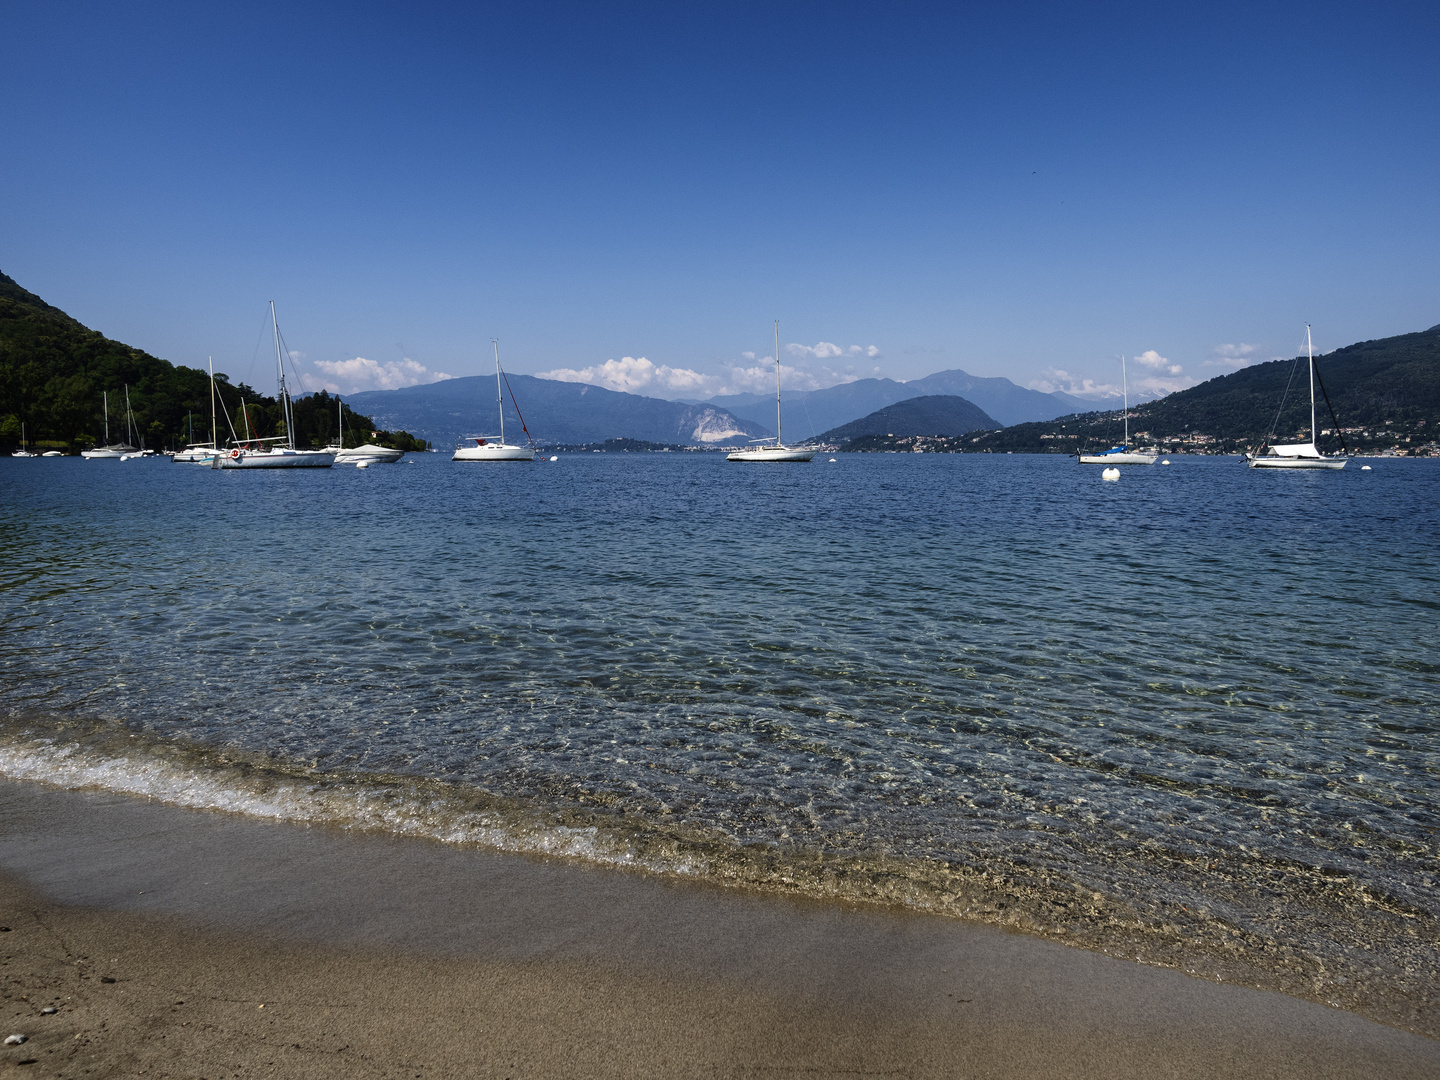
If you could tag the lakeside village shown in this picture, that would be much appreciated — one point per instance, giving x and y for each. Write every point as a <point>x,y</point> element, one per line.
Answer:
<point>1386,441</point>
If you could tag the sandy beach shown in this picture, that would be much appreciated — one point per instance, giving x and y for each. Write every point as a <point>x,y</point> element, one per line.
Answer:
<point>183,944</point>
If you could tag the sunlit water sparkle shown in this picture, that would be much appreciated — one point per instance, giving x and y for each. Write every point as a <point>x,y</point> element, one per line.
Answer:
<point>1190,715</point>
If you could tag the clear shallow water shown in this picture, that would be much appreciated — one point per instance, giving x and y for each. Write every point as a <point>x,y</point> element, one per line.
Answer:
<point>1190,716</point>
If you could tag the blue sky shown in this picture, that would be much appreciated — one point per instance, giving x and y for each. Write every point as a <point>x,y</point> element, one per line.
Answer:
<point>631,193</point>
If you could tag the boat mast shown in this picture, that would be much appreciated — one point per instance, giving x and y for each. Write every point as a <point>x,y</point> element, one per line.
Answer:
<point>105,402</point>
<point>1125,390</point>
<point>1310,352</point>
<point>499,401</point>
<point>214,428</point>
<point>339,423</point>
<point>284,393</point>
<point>778,442</point>
<point>129,425</point>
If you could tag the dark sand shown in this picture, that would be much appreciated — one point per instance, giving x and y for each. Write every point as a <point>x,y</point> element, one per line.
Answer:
<point>303,952</point>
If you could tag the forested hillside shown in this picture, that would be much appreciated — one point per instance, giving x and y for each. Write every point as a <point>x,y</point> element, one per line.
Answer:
<point>53,370</point>
<point>936,414</point>
<point>1385,393</point>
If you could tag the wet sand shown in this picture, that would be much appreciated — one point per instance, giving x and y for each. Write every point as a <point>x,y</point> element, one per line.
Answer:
<point>248,948</point>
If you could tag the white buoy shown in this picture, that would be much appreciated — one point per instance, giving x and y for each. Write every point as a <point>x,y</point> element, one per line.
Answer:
<point>1364,468</point>
<point>832,459</point>
<point>554,457</point>
<point>1165,462</point>
<point>1110,474</point>
<point>362,464</point>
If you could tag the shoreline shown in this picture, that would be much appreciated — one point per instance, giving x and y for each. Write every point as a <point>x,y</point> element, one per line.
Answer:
<point>381,956</point>
<point>1009,895</point>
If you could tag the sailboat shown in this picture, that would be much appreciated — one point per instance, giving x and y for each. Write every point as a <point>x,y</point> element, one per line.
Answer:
<point>22,452</point>
<point>132,431</point>
<point>369,453</point>
<point>201,453</point>
<point>253,455</point>
<point>778,452</point>
<point>1304,455</point>
<point>485,448</point>
<point>111,450</point>
<point>1122,454</point>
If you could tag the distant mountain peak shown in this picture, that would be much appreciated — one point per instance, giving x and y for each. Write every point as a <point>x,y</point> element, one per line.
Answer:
<point>932,414</point>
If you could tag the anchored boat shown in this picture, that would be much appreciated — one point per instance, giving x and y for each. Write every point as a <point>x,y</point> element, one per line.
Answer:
<point>254,454</point>
<point>1304,455</point>
<point>778,452</point>
<point>488,447</point>
<point>1122,454</point>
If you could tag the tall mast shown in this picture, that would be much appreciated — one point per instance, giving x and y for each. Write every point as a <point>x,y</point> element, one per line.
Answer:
<point>778,441</point>
<point>284,394</point>
<point>105,402</point>
<point>214,429</point>
<point>339,423</point>
<point>1310,352</point>
<point>499,401</point>
<point>1125,389</point>
<point>129,426</point>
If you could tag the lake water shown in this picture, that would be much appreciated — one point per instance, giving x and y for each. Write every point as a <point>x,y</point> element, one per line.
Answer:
<point>1190,716</point>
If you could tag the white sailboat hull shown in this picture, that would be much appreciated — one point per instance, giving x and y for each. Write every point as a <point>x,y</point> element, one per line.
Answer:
<point>375,455</point>
<point>278,458</point>
<point>108,453</point>
<point>493,452</point>
<point>1124,457</point>
<point>1272,461</point>
<point>771,453</point>
<point>192,457</point>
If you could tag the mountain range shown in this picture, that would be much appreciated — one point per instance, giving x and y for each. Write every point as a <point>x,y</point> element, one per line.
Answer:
<point>567,412</point>
<point>807,413</point>
<point>554,412</point>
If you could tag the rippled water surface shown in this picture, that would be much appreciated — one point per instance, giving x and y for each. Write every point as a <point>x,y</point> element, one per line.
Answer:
<point>1191,715</point>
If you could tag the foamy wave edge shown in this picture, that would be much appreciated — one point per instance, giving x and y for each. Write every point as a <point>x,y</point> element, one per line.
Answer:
<point>1013,898</point>
<point>356,806</point>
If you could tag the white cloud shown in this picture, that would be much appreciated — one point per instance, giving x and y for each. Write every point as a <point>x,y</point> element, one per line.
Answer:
<point>637,375</point>
<point>1053,379</point>
<point>1153,360</point>
<point>760,378</point>
<point>1167,378</point>
<point>751,374</point>
<point>825,350</point>
<point>1232,356</point>
<point>353,376</point>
